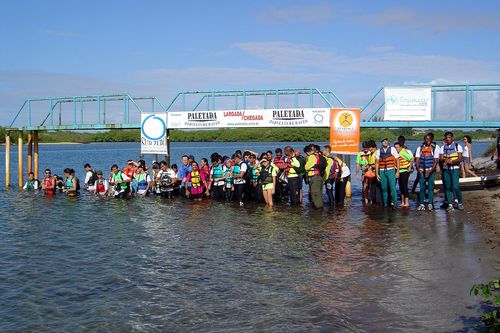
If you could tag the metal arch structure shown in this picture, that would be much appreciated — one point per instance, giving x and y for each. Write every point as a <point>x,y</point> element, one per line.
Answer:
<point>237,99</point>
<point>468,91</point>
<point>48,115</point>
<point>48,120</point>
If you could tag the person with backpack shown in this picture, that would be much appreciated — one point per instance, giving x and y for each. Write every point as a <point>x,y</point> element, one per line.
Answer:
<point>90,178</point>
<point>295,172</point>
<point>451,157</point>
<point>387,170</point>
<point>315,168</point>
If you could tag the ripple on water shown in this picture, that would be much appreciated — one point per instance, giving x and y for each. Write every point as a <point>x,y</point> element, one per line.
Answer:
<point>159,265</point>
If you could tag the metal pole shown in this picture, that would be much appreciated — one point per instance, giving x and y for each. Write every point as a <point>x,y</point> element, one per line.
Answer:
<point>20,159</point>
<point>7,159</point>
<point>167,156</point>
<point>30,152</point>
<point>35,141</point>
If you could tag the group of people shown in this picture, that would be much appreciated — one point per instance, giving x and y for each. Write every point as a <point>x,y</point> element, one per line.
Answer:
<point>280,177</point>
<point>384,168</point>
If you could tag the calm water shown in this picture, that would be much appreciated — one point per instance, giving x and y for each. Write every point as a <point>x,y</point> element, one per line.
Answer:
<point>151,264</point>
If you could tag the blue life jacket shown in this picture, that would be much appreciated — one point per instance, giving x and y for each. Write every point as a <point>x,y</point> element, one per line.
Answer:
<point>217,171</point>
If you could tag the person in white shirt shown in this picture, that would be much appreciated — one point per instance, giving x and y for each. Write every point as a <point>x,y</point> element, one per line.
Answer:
<point>90,178</point>
<point>426,162</point>
<point>31,183</point>
<point>101,185</point>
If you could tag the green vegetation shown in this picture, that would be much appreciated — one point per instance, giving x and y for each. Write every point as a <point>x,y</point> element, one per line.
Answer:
<point>490,293</point>
<point>243,134</point>
<point>490,150</point>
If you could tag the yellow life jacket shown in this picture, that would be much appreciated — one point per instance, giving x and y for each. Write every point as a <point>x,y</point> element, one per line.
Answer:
<point>195,179</point>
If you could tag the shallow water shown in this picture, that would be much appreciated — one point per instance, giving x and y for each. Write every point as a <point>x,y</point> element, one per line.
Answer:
<point>151,264</point>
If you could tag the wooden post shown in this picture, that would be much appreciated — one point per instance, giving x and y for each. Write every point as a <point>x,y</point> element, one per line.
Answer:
<point>35,141</point>
<point>7,159</point>
<point>167,156</point>
<point>30,152</point>
<point>20,159</point>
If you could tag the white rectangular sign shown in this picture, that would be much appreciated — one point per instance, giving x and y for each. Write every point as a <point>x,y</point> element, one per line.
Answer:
<point>154,133</point>
<point>408,103</point>
<point>299,117</point>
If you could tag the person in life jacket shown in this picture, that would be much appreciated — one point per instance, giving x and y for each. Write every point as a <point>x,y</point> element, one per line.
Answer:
<point>227,173</point>
<point>101,185</point>
<point>268,180</point>
<point>256,193</point>
<point>451,157</point>
<point>48,183</point>
<point>216,177</point>
<point>367,173</point>
<point>143,181</point>
<point>294,178</point>
<point>315,168</point>
<point>387,170</point>
<point>129,170</point>
<point>337,174</point>
<point>120,181</point>
<point>205,169</point>
<point>405,168</point>
<point>166,180</point>
<point>31,183</point>
<point>198,182</point>
<point>239,171</point>
<point>71,183</point>
<point>281,166</point>
<point>90,177</point>
<point>426,162</point>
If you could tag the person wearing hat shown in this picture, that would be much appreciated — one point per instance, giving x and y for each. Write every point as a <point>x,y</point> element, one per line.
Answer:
<point>497,150</point>
<point>387,170</point>
<point>101,185</point>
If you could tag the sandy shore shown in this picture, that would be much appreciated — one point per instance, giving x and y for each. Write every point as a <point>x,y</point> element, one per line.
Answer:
<point>483,207</point>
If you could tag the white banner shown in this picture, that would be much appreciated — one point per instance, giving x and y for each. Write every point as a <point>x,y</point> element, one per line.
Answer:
<point>408,103</point>
<point>154,133</point>
<point>309,117</point>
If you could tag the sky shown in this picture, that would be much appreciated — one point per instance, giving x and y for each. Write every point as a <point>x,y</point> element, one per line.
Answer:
<point>159,48</point>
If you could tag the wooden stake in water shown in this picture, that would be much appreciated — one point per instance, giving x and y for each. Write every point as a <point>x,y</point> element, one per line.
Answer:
<point>20,159</point>
<point>7,160</point>
<point>35,141</point>
<point>30,152</point>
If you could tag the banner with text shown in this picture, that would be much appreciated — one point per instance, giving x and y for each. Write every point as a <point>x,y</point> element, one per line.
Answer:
<point>408,103</point>
<point>308,117</point>
<point>154,133</point>
<point>344,130</point>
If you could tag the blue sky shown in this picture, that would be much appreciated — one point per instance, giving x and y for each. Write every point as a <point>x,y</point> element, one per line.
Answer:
<point>56,48</point>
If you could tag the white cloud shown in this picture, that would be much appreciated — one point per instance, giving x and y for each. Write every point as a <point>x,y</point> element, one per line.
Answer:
<point>389,64</point>
<point>310,13</point>
<point>437,22</point>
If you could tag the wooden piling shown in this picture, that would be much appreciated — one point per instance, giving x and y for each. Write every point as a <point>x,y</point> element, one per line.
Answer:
<point>20,159</point>
<point>35,143</point>
<point>30,152</point>
<point>7,160</point>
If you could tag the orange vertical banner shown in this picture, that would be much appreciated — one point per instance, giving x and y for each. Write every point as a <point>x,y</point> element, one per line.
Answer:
<point>344,130</point>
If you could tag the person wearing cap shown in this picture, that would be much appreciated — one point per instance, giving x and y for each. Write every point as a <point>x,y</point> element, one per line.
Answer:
<point>387,170</point>
<point>101,185</point>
